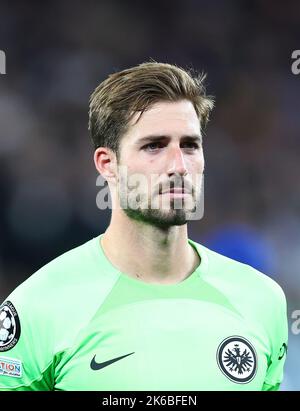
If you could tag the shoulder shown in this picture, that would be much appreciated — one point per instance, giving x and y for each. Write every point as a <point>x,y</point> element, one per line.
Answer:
<point>240,279</point>
<point>67,290</point>
<point>62,296</point>
<point>63,271</point>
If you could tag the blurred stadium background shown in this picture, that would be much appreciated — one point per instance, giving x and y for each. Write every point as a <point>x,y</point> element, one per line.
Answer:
<point>58,51</point>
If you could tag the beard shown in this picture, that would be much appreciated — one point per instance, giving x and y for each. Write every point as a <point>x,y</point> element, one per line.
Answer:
<point>157,218</point>
<point>174,215</point>
<point>139,206</point>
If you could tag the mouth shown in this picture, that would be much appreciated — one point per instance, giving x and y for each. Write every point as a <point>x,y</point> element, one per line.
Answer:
<point>176,192</point>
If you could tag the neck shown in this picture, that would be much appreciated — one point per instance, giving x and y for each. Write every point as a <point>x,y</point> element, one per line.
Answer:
<point>154,255</point>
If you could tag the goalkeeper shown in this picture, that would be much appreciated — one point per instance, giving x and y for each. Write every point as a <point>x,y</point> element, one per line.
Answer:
<point>142,306</point>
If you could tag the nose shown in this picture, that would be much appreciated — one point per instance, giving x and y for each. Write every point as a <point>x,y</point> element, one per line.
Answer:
<point>176,162</point>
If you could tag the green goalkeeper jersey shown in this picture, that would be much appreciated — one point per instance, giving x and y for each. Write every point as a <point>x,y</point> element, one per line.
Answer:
<point>80,324</point>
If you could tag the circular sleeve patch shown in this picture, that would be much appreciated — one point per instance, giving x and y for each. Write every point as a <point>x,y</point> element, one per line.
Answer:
<point>10,329</point>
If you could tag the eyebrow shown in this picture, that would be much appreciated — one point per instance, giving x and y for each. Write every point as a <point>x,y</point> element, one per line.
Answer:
<point>155,137</point>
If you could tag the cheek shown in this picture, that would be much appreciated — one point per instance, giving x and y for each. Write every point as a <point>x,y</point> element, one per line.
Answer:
<point>201,166</point>
<point>201,161</point>
<point>196,165</point>
<point>133,168</point>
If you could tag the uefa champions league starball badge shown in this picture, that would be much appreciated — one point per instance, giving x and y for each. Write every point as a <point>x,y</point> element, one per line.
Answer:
<point>10,329</point>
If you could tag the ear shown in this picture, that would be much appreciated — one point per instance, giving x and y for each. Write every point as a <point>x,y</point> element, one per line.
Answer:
<point>105,162</point>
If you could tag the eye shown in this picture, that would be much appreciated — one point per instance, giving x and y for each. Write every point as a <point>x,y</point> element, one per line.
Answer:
<point>190,144</point>
<point>152,146</point>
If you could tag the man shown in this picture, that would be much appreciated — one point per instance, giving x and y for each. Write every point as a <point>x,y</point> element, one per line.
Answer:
<point>142,307</point>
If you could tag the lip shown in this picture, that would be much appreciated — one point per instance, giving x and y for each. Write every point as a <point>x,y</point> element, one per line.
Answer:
<point>176,191</point>
<point>180,194</point>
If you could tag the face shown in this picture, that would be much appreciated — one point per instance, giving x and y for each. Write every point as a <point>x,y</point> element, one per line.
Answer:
<point>161,165</point>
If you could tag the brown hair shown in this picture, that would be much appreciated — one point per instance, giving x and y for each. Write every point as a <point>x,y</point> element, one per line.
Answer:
<point>122,94</point>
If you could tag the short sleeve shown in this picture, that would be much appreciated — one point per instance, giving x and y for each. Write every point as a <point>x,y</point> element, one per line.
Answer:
<point>279,344</point>
<point>25,358</point>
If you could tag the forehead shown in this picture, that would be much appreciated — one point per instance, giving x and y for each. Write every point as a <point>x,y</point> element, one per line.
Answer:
<point>165,118</point>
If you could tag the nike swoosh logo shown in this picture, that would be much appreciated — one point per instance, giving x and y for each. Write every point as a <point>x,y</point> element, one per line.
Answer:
<point>97,366</point>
